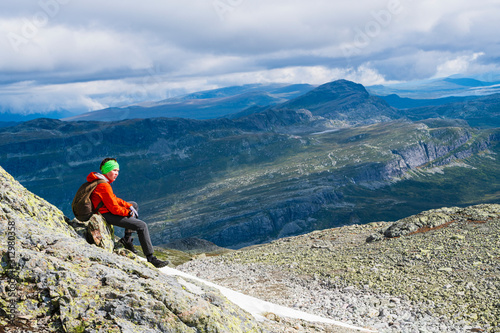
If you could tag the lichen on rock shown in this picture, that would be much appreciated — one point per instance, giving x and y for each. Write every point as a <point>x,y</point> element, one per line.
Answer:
<point>434,219</point>
<point>53,280</point>
<point>441,273</point>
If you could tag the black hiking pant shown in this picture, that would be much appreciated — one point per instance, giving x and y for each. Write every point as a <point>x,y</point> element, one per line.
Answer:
<point>134,224</point>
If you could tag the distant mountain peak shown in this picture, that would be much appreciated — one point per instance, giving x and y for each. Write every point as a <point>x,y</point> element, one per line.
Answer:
<point>344,101</point>
<point>330,91</point>
<point>341,87</point>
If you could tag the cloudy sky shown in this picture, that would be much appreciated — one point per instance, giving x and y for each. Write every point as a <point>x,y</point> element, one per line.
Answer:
<point>83,55</point>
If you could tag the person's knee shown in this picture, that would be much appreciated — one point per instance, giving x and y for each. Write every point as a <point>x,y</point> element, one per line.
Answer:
<point>135,205</point>
<point>141,225</point>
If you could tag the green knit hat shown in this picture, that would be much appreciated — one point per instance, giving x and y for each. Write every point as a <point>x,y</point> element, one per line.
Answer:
<point>109,165</point>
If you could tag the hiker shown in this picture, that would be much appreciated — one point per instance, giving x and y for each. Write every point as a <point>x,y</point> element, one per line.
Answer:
<point>121,213</point>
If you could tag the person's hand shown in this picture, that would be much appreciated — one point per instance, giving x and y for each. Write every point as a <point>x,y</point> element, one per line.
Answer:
<point>133,212</point>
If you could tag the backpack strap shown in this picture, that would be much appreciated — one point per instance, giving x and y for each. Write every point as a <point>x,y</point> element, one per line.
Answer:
<point>98,207</point>
<point>94,211</point>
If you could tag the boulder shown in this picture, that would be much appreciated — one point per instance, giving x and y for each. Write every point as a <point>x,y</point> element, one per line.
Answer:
<point>96,231</point>
<point>434,219</point>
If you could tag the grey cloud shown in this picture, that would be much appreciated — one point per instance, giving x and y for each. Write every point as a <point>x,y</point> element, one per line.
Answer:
<point>187,44</point>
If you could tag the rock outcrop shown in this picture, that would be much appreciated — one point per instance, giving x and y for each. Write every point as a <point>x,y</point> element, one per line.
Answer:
<point>52,280</point>
<point>96,231</point>
<point>435,219</point>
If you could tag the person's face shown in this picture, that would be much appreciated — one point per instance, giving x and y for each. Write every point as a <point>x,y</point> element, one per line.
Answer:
<point>113,174</point>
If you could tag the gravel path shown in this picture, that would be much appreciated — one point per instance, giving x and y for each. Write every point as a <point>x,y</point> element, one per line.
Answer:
<point>443,276</point>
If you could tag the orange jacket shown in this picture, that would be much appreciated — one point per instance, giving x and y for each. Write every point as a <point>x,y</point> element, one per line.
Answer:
<point>103,192</point>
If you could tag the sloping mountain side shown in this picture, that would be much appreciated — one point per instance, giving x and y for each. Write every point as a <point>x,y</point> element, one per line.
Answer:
<point>52,280</point>
<point>160,155</point>
<point>436,271</point>
<point>253,179</point>
<point>335,178</point>
<point>479,112</point>
<point>408,103</point>
<point>204,104</point>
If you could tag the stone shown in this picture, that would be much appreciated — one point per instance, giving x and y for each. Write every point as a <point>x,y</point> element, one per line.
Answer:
<point>96,231</point>
<point>375,237</point>
<point>458,237</point>
<point>436,293</point>
<point>422,222</point>
<point>102,232</point>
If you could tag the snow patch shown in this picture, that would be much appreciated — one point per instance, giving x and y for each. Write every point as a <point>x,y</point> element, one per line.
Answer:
<point>258,308</point>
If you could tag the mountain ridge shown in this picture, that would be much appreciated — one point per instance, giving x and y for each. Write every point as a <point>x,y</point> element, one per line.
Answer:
<point>483,111</point>
<point>452,87</point>
<point>202,105</point>
<point>269,174</point>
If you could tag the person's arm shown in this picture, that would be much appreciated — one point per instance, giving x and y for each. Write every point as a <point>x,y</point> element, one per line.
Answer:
<point>114,204</point>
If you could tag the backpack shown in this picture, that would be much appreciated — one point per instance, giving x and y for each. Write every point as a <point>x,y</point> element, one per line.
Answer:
<point>82,205</point>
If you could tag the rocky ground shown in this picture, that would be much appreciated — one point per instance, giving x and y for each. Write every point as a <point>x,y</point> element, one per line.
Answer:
<point>438,271</point>
<point>52,280</point>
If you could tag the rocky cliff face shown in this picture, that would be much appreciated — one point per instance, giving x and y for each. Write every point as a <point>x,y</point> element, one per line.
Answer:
<point>442,146</point>
<point>52,280</point>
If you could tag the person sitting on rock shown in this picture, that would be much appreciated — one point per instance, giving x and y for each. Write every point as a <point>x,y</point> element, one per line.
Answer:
<point>120,212</point>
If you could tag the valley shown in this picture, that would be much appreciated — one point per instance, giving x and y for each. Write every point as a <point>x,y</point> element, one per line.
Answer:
<point>333,156</point>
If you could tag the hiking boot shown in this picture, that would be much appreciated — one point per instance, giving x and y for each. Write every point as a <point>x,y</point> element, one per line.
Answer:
<point>157,262</point>
<point>128,245</point>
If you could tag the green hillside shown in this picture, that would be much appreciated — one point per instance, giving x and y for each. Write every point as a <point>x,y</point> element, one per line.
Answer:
<point>334,156</point>
<point>330,179</point>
